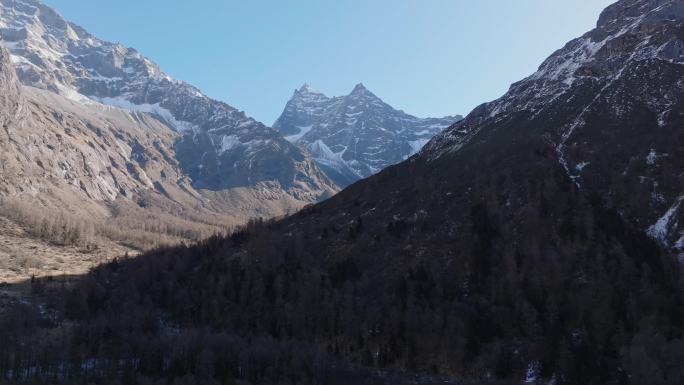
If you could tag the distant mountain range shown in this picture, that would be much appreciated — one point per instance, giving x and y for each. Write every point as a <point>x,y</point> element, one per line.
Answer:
<point>355,136</point>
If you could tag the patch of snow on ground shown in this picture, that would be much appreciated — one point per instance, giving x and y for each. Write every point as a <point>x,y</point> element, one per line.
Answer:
<point>662,118</point>
<point>660,229</point>
<point>580,166</point>
<point>531,373</point>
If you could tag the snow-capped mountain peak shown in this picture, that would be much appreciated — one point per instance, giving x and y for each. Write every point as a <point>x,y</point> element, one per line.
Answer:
<point>354,136</point>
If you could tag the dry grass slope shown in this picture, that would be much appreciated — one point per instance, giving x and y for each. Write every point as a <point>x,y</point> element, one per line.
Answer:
<point>36,240</point>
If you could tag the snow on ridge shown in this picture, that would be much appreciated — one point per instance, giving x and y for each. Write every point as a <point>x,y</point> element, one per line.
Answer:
<point>600,57</point>
<point>560,71</point>
<point>57,54</point>
<point>155,109</point>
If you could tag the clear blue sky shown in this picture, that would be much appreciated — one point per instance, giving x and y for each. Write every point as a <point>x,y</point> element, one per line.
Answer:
<point>427,57</point>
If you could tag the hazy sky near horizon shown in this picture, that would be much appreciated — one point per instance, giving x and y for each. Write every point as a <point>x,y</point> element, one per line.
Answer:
<point>427,57</point>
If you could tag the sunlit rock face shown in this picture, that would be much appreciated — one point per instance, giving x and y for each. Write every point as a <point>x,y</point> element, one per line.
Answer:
<point>218,147</point>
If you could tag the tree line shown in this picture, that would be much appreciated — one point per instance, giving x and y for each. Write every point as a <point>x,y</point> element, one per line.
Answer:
<point>138,228</point>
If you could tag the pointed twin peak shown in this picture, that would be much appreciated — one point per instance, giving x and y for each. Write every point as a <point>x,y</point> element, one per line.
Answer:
<point>307,89</point>
<point>308,93</point>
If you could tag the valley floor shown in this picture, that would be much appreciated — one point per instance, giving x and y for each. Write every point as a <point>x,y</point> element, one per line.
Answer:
<point>23,256</point>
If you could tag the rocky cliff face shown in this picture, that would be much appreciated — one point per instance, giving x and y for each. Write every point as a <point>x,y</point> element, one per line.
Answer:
<point>217,147</point>
<point>10,97</point>
<point>354,136</point>
<point>67,152</point>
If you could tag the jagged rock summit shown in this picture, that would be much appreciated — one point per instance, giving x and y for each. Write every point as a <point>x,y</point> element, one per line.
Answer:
<point>354,136</point>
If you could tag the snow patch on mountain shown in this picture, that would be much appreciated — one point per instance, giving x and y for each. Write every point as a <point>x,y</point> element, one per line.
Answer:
<point>302,131</point>
<point>153,109</point>
<point>229,142</point>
